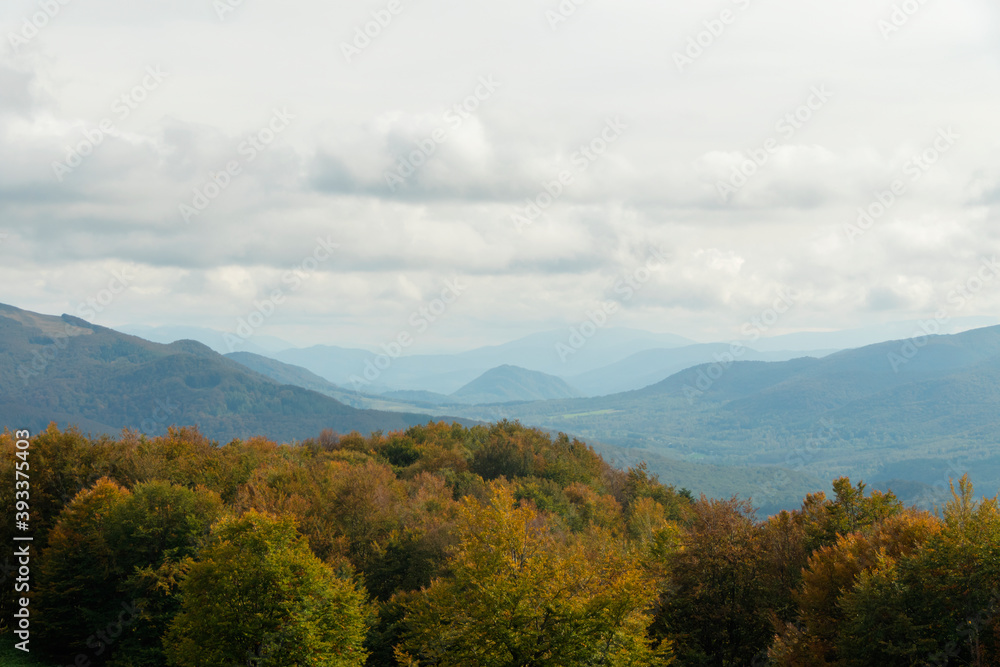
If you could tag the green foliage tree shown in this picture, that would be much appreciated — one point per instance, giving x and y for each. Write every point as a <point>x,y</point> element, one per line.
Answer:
<point>104,549</point>
<point>257,595</point>
<point>938,604</point>
<point>717,607</point>
<point>831,572</point>
<point>152,533</point>
<point>75,571</point>
<point>850,511</point>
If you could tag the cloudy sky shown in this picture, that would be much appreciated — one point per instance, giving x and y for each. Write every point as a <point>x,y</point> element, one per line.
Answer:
<point>184,162</point>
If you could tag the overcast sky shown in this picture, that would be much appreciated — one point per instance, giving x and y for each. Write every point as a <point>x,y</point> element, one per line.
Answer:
<point>323,133</point>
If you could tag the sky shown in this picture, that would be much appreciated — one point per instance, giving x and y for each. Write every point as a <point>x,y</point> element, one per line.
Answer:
<point>466,173</point>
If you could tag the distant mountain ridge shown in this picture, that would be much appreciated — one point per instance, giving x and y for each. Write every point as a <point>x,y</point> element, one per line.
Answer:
<point>508,383</point>
<point>648,367</point>
<point>283,373</point>
<point>613,360</point>
<point>66,370</point>
<point>447,373</point>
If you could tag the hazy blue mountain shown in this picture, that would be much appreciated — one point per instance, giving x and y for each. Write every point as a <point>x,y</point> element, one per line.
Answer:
<point>333,363</point>
<point>66,370</point>
<point>651,366</point>
<point>511,383</point>
<point>756,429</point>
<point>538,352</point>
<point>446,373</point>
<point>283,373</point>
<point>907,414</point>
<point>853,338</point>
<point>300,377</point>
<point>498,385</point>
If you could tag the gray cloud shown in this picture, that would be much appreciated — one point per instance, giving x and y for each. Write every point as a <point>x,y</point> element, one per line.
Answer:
<point>657,184</point>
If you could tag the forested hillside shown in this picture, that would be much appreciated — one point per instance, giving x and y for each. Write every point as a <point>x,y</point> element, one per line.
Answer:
<point>900,410</point>
<point>66,370</point>
<point>485,546</point>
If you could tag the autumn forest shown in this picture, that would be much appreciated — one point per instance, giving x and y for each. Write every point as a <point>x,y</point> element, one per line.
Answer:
<point>492,545</point>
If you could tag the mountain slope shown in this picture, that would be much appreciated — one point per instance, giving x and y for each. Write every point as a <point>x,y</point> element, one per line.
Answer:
<point>219,341</point>
<point>283,373</point>
<point>871,335</point>
<point>864,412</point>
<point>65,370</point>
<point>507,383</point>
<point>651,366</point>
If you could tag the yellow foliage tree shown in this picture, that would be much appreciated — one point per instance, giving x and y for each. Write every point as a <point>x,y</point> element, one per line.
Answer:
<point>520,595</point>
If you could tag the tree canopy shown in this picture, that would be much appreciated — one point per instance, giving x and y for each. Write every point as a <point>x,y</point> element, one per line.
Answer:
<point>490,545</point>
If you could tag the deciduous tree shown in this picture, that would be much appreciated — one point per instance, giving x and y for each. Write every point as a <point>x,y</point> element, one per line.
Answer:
<point>257,595</point>
<point>520,595</point>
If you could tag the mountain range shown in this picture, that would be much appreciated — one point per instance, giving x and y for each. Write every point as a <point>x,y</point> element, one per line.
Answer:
<point>912,413</point>
<point>908,414</point>
<point>374,372</point>
<point>74,373</point>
